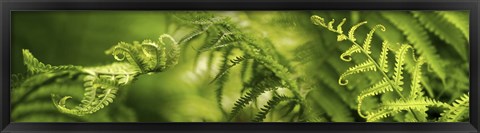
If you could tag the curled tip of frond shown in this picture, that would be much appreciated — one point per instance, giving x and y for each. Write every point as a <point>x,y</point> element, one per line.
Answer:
<point>359,111</point>
<point>382,28</point>
<point>342,81</point>
<point>351,35</point>
<point>317,20</point>
<point>60,102</point>
<point>119,52</point>
<point>346,58</point>
<point>168,37</point>
<point>347,55</point>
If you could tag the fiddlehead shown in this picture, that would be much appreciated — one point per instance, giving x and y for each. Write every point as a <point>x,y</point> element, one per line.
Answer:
<point>102,83</point>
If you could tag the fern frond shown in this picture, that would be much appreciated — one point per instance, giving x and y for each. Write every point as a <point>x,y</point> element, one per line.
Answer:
<point>131,53</point>
<point>458,111</point>
<point>173,53</point>
<point>269,106</point>
<point>220,42</point>
<point>419,104</point>
<point>347,55</point>
<point>380,114</point>
<point>383,57</point>
<point>444,30</point>
<point>102,82</point>
<point>92,101</point>
<point>201,29</point>
<point>227,67</point>
<point>417,35</point>
<point>222,77</point>
<point>364,67</point>
<point>339,26</point>
<point>416,87</point>
<point>400,61</point>
<point>379,88</point>
<point>368,39</point>
<point>257,90</point>
<point>317,20</point>
<point>417,108</point>
<point>35,66</point>
<point>351,32</point>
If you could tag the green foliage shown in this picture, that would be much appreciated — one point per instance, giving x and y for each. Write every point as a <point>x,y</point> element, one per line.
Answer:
<point>415,103</point>
<point>243,66</point>
<point>227,36</point>
<point>101,83</point>
<point>458,111</point>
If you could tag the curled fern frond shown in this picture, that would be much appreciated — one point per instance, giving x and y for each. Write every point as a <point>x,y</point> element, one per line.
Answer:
<point>383,57</point>
<point>92,101</point>
<point>347,55</point>
<point>351,32</point>
<point>173,53</point>
<point>257,89</point>
<point>364,67</point>
<point>101,83</point>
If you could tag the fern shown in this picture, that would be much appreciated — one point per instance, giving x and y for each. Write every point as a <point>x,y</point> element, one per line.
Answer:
<point>102,83</point>
<point>415,103</point>
<point>458,111</point>
<point>257,90</point>
<point>255,72</point>
<point>260,52</point>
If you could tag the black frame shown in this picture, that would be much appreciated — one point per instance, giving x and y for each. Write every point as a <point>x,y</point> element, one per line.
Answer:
<point>6,6</point>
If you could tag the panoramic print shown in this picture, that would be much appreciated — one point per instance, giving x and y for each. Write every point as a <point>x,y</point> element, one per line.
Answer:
<point>240,66</point>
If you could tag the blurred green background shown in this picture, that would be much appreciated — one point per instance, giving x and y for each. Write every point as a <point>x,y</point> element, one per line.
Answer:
<point>183,94</point>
